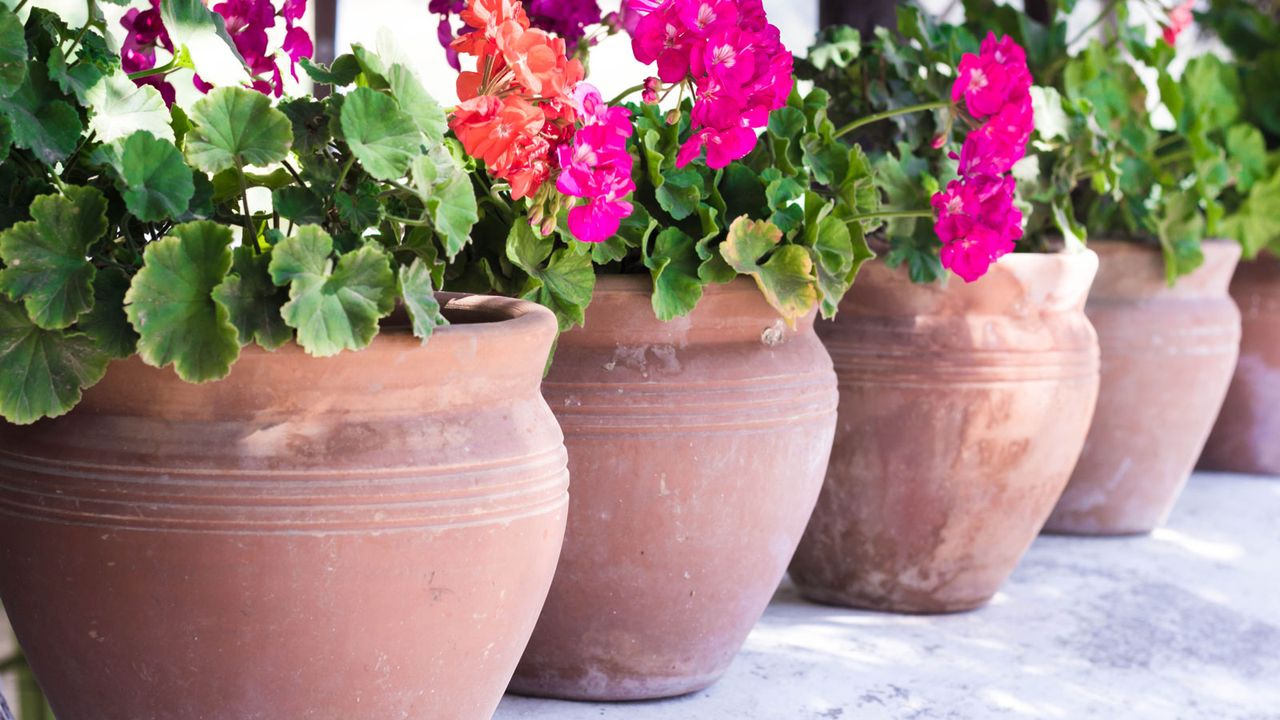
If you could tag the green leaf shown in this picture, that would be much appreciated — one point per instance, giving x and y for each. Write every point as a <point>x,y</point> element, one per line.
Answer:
<point>674,264</point>
<point>1247,152</point>
<point>203,33</point>
<point>681,193</point>
<point>360,211</point>
<point>445,188</point>
<point>1211,88</point>
<point>786,278</point>
<point>1181,229</point>
<point>564,283</point>
<point>253,301</point>
<point>154,179</point>
<point>13,53</point>
<point>1256,224</point>
<point>235,127</point>
<point>344,70</point>
<point>47,126</point>
<point>121,108</point>
<point>381,135</point>
<point>426,113</point>
<point>420,299</point>
<point>107,324</point>
<point>42,372</point>
<point>332,308</point>
<point>171,303</point>
<point>298,205</point>
<point>45,258</point>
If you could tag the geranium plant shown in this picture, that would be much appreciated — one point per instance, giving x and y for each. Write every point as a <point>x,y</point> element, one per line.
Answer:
<point>132,227</point>
<point>1252,32</point>
<point>975,105</point>
<point>722,169</point>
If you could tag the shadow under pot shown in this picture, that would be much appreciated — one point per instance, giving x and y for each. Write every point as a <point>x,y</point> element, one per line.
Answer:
<point>963,409</point>
<point>697,448</point>
<point>1247,436</point>
<point>365,536</point>
<point>1168,354</point>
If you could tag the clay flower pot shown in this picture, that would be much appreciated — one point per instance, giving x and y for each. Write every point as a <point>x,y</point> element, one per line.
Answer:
<point>1247,436</point>
<point>366,536</point>
<point>697,449</point>
<point>963,409</point>
<point>1168,354</point>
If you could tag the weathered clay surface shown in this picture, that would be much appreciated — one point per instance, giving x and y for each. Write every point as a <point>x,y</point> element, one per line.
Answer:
<point>366,537</point>
<point>1247,436</point>
<point>963,409</point>
<point>697,449</point>
<point>1167,358</point>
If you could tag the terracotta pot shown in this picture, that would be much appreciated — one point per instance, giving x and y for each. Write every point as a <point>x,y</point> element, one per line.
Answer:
<point>697,448</point>
<point>1168,354</point>
<point>365,537</point>
<point>963,409</point>
<point>1247,436</point>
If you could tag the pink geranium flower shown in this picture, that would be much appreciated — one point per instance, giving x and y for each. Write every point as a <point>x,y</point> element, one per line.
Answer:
<point>1001,142</point>
<point>996,77</point>
<point>597,167</point>
<point>1180,18</point>
<point>729,53</point>
<point>977,223</point>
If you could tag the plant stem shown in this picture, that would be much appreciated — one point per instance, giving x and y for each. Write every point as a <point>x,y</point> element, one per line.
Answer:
<point>407,221</point>
<point>250,235</point>
<point>342,176</point>
<point>862,122</point>
<point>295,174</point>
<point>625,93</point>
<point>162,70</point>
<point>893,215</point>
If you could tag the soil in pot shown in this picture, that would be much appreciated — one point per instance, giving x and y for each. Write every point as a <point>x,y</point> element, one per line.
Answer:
<point>365,537</point>
<point>1246,438</point>
<point>1168,354</point>
<point>697,449</point>
<point>963,408</point>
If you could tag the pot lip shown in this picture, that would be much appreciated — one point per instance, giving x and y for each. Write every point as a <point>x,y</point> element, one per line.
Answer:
<point>482,317</point>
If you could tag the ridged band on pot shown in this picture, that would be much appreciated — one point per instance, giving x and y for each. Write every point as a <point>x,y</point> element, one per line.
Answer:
<point>1246,438</point>
<point>963,408</point>
<point>1168,354</point>
<point>369,536</point>
<point>697,449</point>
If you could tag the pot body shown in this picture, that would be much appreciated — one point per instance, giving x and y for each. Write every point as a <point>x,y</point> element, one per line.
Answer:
<point>697,448</point>
<point>364,537</point>
<point>963,409</point>
<point>1168,354</point>
<point>1246,438</point>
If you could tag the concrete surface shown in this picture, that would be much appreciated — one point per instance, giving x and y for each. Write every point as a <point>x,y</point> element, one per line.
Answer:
<point>1183,625</point>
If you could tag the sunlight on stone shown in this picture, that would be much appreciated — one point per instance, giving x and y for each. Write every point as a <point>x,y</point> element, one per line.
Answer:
<point>1207,549</point>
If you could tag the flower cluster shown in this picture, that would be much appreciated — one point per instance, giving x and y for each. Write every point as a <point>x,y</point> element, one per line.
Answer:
<point>516,108</point>
<point>248,22</point>
<point>1180,18</point>
<point>567,18</point>
<point>975,216</point>
<point>732,57</point>
<point>597,167</point>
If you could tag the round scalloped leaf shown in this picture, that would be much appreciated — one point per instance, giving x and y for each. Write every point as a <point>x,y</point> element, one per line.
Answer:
<point>41,122</point>
<point>154,179</point>
<point>121,108</point>
<point>45,261</point>
<point>787,278</point>
<point>674,264</point>
<point>332,308</point>
<point>235,127</point>
<point>381,135</point>
<point>171,304</point>
<point>43,372</point>
<point>420,299</point>
<point>254,301</point>
<point>13,53</point>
